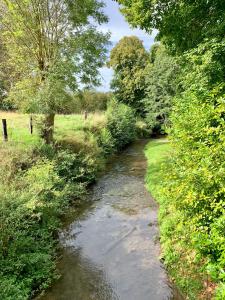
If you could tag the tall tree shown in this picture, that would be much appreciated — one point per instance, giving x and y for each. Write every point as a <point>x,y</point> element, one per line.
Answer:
<point>182,24</point>
<point>161,85</point>
<point>54,47</point>
<point>128,60</point>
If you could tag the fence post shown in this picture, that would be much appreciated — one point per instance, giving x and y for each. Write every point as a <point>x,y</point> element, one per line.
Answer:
<point>4,127</point>
<point>85,115</point>
<point>31,124</point>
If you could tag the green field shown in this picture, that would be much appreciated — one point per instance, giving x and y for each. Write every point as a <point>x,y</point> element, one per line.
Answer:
<point>69,130</point>
<point>65,126</point>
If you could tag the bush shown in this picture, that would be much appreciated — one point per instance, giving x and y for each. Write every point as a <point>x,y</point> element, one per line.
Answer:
<point>142,129</point>
<point>106,142</point>
<point>29,208</point>
<point>121,124</point>
<point>76,167</point>
<point>191,192</point>
<point>195,191</point>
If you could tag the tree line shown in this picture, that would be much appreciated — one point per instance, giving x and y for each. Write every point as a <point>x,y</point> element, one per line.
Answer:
<point>144,80</point>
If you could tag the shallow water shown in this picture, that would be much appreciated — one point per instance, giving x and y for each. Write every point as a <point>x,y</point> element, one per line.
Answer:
<point>110,248</point>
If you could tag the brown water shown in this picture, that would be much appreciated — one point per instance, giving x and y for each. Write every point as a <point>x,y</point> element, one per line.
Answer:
<point>110,248</point>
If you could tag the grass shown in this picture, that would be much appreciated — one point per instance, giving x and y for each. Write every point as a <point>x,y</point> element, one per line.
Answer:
<point>65,127</point>
<point>178,257</point>
<point>156,151</point>
<point>69,130</point>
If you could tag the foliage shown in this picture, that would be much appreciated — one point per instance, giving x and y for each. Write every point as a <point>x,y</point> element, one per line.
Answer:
<point>121,124</point>
<point>76,167</point>
<point>54,47</point>
<point>161,84</point>
<point>27,225</point>
<point>177,253</point>
<point>128,60</point>
<point>30,209</point>
<point>142,129</point>
<point>198,183</point>
<point>91,101</point>
<point>106,142</point>
<point>182,24</point>
<point>38,183</point>
<point>55,60</point>
<point>191,191</point>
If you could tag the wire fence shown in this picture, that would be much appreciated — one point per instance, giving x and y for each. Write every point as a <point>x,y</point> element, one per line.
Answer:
<point>25,129</point>
<point>16,131</point>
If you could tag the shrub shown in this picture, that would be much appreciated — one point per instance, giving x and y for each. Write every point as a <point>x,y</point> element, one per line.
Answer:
<point>29,208</point>
<point>195,187</point>
<point>106,142</point>
<point>121,124</point>
<point>76,167</point>
<point>142,129</point>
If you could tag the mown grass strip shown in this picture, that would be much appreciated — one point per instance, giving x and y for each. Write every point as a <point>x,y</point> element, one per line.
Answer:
<point>156,151</point>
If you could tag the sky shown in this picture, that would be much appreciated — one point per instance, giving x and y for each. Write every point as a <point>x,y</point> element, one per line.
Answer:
<point>119,28</point>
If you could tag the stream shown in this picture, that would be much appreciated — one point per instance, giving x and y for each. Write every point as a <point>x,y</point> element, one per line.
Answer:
<point>110,247</point>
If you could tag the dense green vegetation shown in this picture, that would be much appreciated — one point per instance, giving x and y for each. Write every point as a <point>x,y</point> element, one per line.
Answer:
<point>176,253</point>
<point>51,48</point>
<point>39,182</point>
<point>181,24</point>
<point>90,101</point>
<point>128,59</point>
<point>161,87</point>
<point>192,185</point>
<point>147,81</point>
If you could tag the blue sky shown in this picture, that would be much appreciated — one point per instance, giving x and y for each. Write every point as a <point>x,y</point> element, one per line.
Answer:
<point>119,28</point>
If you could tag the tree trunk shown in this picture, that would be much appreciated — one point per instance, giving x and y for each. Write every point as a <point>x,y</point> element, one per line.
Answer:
<point>48,128</point>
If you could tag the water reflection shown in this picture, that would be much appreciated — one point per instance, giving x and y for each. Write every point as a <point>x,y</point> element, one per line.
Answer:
<point>81,280</point>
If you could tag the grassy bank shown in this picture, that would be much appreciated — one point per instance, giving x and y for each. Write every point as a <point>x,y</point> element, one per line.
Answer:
<point>184,267</point>
<point>39,182</point>
<point>157,152</point>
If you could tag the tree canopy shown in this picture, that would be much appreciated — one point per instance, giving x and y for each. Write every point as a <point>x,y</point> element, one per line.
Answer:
<point>128,59</point>
<point>182,24</point>
<point>161,84</point>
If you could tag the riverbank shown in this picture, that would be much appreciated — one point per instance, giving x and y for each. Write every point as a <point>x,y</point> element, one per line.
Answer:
<point>184,268</point>
<point>38,184</point>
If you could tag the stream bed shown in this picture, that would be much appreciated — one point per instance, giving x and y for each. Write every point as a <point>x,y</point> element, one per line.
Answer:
<point>110,248</point>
